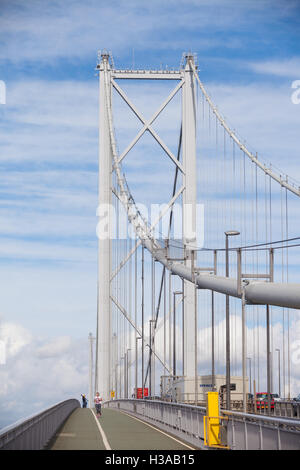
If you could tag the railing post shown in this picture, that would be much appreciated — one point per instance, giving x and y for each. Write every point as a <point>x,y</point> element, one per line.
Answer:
<point>233,445</point>
<point>278,437</point>
<point>246,434</point>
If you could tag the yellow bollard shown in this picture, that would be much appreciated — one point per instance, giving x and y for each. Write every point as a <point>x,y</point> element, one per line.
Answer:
<point>212,420</point>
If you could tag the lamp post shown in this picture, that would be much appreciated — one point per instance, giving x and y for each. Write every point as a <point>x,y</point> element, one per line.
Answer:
<point>136,364</point>
<point>143,317</point>
<point>150,357</point>
<point>268,358</point>
<point>279,391</point>
<point>127,370</point>
<point>121,394</point>
<point>213,372</point>
<point>229,233</point>
<point>114,380</point>
<point>91,365</point>
<point>174,332</point>
<point>249,359</point>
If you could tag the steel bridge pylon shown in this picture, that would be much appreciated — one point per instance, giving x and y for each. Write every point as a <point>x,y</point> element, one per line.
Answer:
<point>186,83</point>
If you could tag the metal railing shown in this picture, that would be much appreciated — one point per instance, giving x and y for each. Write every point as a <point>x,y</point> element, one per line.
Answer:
<point>35,432</point>
<point>247,431</point>
<point>184,421</point>
<point>240,431</point>
<point>288,408</point>
<point>282,408</point>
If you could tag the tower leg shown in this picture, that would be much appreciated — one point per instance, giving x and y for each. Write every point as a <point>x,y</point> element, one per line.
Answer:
<point>189,210</point>
<point>104,235</point>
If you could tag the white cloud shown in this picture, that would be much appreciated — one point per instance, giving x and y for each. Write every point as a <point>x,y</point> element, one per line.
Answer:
<point>40,372</point>
<point>54,348</point>
<point>75,31</point>
<point>282,68</point>
<point>255,344</point>
<point>15,337</point>
<point>50,121</point>
<point>53,103</point>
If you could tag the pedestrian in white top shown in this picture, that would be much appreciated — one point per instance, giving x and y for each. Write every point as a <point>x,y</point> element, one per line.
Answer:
<point>97,401</point>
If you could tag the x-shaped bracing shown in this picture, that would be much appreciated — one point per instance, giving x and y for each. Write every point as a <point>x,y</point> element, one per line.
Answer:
<point>147,124</point>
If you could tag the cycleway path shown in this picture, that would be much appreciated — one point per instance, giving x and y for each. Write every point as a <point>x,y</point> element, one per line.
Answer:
<point>113,430</point>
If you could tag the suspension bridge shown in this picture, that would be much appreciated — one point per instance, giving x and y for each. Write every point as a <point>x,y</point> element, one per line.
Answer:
<point>198,277</point>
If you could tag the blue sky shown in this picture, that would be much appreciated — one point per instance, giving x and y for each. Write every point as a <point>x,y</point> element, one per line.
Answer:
<point>248,56</point>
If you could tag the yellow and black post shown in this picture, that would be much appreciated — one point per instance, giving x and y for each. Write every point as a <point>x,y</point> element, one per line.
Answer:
<point>212,421</point>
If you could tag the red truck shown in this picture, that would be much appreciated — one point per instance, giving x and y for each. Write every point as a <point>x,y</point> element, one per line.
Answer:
<point>262,401</point>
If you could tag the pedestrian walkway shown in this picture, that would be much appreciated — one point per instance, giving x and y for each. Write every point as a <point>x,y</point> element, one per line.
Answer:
<point>80,431</point>
<point>116,431</point>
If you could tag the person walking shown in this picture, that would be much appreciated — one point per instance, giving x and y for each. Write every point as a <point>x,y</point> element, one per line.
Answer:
<point>84,401</point>
<point>97,402</point>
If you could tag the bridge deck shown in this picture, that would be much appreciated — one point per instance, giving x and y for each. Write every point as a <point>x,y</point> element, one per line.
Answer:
<point>114,430</point>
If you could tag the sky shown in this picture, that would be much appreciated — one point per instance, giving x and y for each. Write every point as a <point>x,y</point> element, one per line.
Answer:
<point>248,58</point>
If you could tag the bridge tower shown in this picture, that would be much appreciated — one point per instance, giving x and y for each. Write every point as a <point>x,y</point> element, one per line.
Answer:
<point>189,210</point>
<point>186,83</point>
<point>103,341</point>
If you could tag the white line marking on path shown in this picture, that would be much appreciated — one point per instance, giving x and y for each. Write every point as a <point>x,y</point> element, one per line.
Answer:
<point>156,429</point>
<point>104,438</point>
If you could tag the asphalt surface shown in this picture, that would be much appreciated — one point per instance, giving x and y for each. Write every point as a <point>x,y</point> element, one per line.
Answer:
<point>117,431</point>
